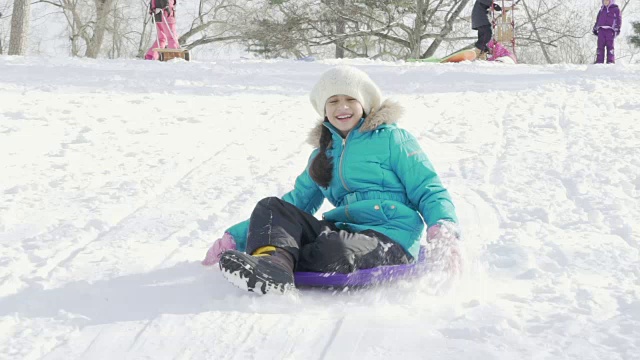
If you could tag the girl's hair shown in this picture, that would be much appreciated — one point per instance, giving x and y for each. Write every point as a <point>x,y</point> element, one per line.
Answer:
<point>321,169</point>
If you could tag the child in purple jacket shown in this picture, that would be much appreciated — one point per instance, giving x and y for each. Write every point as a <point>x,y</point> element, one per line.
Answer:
<point>607,28</point>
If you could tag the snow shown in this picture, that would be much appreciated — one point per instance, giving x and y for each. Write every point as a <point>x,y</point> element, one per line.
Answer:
<point>117,175</point>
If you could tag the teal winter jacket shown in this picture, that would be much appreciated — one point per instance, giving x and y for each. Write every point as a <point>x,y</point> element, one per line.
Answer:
<point>382,181</point>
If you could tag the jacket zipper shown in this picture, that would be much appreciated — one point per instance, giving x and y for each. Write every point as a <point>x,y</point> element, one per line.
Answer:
<point>340,172</point>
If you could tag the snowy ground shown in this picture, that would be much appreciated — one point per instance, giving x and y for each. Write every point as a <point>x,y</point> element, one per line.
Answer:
<point>115,177</point>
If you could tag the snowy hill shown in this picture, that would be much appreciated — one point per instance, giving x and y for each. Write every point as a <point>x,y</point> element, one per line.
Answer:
<point>116,176</point>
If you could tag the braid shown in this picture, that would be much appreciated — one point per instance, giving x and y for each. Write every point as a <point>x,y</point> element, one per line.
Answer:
<point>321,169</point>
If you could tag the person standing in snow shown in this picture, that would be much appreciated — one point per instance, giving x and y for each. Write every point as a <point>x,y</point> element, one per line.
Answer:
<point>383,187</point>
<point>607,28</point>
<point>480,22</point>
<point>164,13</point>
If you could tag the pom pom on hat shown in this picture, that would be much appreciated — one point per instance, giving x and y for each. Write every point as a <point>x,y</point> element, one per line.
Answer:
<point>346,80</point>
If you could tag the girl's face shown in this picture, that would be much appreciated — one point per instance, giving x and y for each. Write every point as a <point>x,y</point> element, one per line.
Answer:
<point>606,2</point>
<point>343,112</point>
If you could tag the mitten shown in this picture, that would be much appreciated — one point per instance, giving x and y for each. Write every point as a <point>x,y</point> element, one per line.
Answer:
<point>445,254</point>
<point>226,242</point>
<point>443,230</point>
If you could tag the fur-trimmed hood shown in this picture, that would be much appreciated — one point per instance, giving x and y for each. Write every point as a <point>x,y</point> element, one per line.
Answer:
<point>388,113</point>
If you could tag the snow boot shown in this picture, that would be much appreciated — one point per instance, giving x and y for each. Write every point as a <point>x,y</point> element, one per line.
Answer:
<point>480,55</point>
<point>268,270</point>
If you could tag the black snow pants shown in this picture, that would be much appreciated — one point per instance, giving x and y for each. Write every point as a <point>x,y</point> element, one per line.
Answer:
<point>484,36</point>
<point>318,245</point>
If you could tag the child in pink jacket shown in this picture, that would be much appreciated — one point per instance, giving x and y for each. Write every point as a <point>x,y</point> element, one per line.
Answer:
<point>165,18</point>
<point>500,53</point>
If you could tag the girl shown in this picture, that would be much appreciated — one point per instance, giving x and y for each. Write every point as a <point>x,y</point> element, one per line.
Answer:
<point>500,53</point>
<point>164,13</point>
<point>376,175</point>
<point>607,28</point>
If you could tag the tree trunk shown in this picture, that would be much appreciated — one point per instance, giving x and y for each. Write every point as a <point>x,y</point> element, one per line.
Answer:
<point>537,34</point>
<point>19,27</point>
<point>77,27</point>
<point>453,15</point>
<point>0,38</point>
<point>103,8</point>
<point>415,37</point>
<point>340,28</point>
<point>143,37</point>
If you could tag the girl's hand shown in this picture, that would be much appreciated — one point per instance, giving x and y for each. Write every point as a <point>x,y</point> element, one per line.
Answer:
<point>226,242</point>
<point>445,253</point>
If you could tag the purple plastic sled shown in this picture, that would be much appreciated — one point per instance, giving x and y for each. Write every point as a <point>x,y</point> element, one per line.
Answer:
<point>363,277</point>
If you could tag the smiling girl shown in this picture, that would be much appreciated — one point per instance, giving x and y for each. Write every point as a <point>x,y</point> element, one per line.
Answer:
<point>381,183</point>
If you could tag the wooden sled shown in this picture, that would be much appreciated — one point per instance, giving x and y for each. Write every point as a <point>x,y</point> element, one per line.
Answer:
<point>504,28</point>
<point>168,54</point>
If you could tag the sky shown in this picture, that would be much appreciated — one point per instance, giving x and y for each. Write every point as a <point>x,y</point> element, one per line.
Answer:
<point>117,175</point>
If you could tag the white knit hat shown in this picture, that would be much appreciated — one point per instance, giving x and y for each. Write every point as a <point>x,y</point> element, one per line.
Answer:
<point>346,80</point>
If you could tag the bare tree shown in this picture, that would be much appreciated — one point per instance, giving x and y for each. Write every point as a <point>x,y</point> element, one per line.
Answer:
<point>119,35</point>
<point>1,37</point>
<point>371,28</point>
<point>538,37</point>
<point>110,25</point>
<point>147,30</point>
<point>19,27</point>
<point>282,28</point>
<point>340,30</point>
<point>549,31</point>
<point>624,5</point>
<point>546,30</point>
<point>79,27</point>
<point>450,18</point>
<point>103,8</point>
<point>216,21</point>
<point>124,40</point>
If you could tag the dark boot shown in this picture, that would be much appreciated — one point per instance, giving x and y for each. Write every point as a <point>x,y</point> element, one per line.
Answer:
<point>268,270</point>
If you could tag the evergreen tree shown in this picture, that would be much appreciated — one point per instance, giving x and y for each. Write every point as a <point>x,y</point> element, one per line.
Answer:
<point>635,39</point>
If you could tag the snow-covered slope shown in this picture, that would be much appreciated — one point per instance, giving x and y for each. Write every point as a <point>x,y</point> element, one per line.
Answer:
<point>115,177</point>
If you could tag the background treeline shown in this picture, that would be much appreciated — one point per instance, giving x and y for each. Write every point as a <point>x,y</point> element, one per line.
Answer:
<point>548,31</point>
